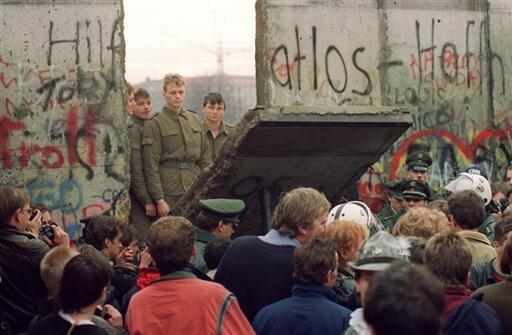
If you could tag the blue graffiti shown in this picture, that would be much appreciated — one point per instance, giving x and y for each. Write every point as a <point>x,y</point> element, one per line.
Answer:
<point>67,196</point>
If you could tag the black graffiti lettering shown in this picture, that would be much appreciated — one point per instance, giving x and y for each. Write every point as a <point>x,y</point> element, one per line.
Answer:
<point>315,73</point>
<point>468,54</point>
<point>49,87</point>
<point>446,50</point>
<point>369,86</point>
<point>331,83</point>
<point>75,42</point>
<point>66,93</point>
<point>288,81</point>
<point>298,58</point>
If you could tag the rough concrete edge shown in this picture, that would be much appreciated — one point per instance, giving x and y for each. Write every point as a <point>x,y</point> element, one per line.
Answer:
<point>261,71</point>
<point>216,176</point>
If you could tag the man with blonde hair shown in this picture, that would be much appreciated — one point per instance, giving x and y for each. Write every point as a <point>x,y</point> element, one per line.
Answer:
<point>174,147</point>
<point>421,222</point>
<point>258,269</point>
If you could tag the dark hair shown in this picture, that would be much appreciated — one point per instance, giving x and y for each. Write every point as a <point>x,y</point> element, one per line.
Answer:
<point>500,186</point>
<point>128,234</point>
<point>100,228</point>
<point>11,200</point>
<point>141,93</point>
<point>448,256</point>
<point>170,242</point>
<point>502,228</point>
<point>207,222</point>
<point>214,250</point>
<point>312,261</point>
<point>83,281</point>
<point>417,249</point>
<point>468,209</point>
<point>41,207</point>
<point>214,98</point>
<point>404,299</point>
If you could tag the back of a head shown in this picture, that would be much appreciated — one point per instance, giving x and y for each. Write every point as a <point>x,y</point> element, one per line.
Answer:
<point>128,235</point>
<point>421,222</point>
<point>506,259</point>
<point>313,260</point>
<point>298,208</point>
<point>83,281</point>
<point>501,229</point>
<point>214,250</point>
<point>100,228</point>
<point>448,256</point>
<point>171,242</point>
<point>52,266</point>
<point>467,208</point>
<point>404,299</point>
<point>11,200</point>
<point>441,205</point>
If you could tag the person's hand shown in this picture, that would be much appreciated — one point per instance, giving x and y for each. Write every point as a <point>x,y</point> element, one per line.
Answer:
<point>34,225</point>
<point>163,208</point>
<point>145,259</point>
<point>60,237</point>
<point>150,209</point>
<point>116,319</point>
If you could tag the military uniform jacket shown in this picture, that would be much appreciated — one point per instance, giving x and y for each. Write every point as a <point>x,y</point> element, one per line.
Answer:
<point>138,183</point>
<point>174,151</point>
<point>217,142</point>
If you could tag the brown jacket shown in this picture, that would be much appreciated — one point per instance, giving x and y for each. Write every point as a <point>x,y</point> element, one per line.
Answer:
<point>481,249</point>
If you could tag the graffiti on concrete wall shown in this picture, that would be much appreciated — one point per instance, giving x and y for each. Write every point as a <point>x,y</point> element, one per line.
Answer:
<point>451,68</point>
<point>62,134</point>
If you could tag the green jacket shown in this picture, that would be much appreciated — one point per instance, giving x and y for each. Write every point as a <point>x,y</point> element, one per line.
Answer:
<point>202,238</point>
<point>137,183</point>
<point>388,217</point>
<point>174,151</point>
<point>487,227</point>
<point>217,142</point>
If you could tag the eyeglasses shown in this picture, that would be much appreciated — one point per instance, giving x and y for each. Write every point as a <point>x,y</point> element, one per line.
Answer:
<point>29,211</point>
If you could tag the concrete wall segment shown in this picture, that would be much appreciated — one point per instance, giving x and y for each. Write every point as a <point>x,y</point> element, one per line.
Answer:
<point>62,118</point>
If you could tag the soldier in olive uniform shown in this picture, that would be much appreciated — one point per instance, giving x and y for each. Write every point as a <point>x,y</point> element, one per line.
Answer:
<point>143,209</point>
<point>217,218</point>
<point>216,129</point>
<point>174,148</point>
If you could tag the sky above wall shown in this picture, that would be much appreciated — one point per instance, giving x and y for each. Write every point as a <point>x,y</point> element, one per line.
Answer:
<point>183,36</point>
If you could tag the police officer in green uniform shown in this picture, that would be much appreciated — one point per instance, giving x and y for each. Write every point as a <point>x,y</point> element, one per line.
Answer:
<point>418,165</point>
<point>142,209</point>
<point>216,129</point>
<point>217,218</point>
<point>416,193</point>
<point>394,207</point>
<point>174,148</point>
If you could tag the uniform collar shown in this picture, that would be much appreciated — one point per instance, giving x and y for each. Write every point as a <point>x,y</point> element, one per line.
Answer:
<point>203,235</point>
<point>222,129</point>
<point>135,120</point>
<point>173,114</point>
<point>475,236</point>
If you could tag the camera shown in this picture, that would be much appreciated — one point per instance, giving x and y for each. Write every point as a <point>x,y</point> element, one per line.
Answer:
<point>46,230</point>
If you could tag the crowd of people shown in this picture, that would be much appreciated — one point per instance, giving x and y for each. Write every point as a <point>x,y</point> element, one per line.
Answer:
<point>431,262</point>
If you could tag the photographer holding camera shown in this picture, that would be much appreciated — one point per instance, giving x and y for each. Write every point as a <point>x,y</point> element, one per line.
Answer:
<point>21,288</point>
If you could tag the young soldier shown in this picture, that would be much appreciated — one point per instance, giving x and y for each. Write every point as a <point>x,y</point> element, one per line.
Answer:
<point>216,130</point>
<point>142,210</point>
<point>174,148</point>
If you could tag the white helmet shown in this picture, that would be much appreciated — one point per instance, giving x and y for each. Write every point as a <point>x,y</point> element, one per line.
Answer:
<point>469,181</point>
<point>356,211</point>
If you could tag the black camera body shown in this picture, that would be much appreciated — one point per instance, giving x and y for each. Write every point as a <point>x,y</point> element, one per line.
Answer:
<point>46,230</point>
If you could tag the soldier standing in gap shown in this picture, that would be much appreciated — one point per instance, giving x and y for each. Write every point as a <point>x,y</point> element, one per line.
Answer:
<point>174,148</point>
<point>418,164</point>
<point>216,130</point>
<point>143,209</point>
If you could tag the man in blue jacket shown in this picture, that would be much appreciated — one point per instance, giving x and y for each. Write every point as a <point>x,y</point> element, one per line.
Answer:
<point>311,308</point>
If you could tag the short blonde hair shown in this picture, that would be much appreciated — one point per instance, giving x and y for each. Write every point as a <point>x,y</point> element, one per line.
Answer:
<point>52,267</point>
<point>173,78</point>
<point>345,234</point>
<point>298,208</point>
<point>421,222</point>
